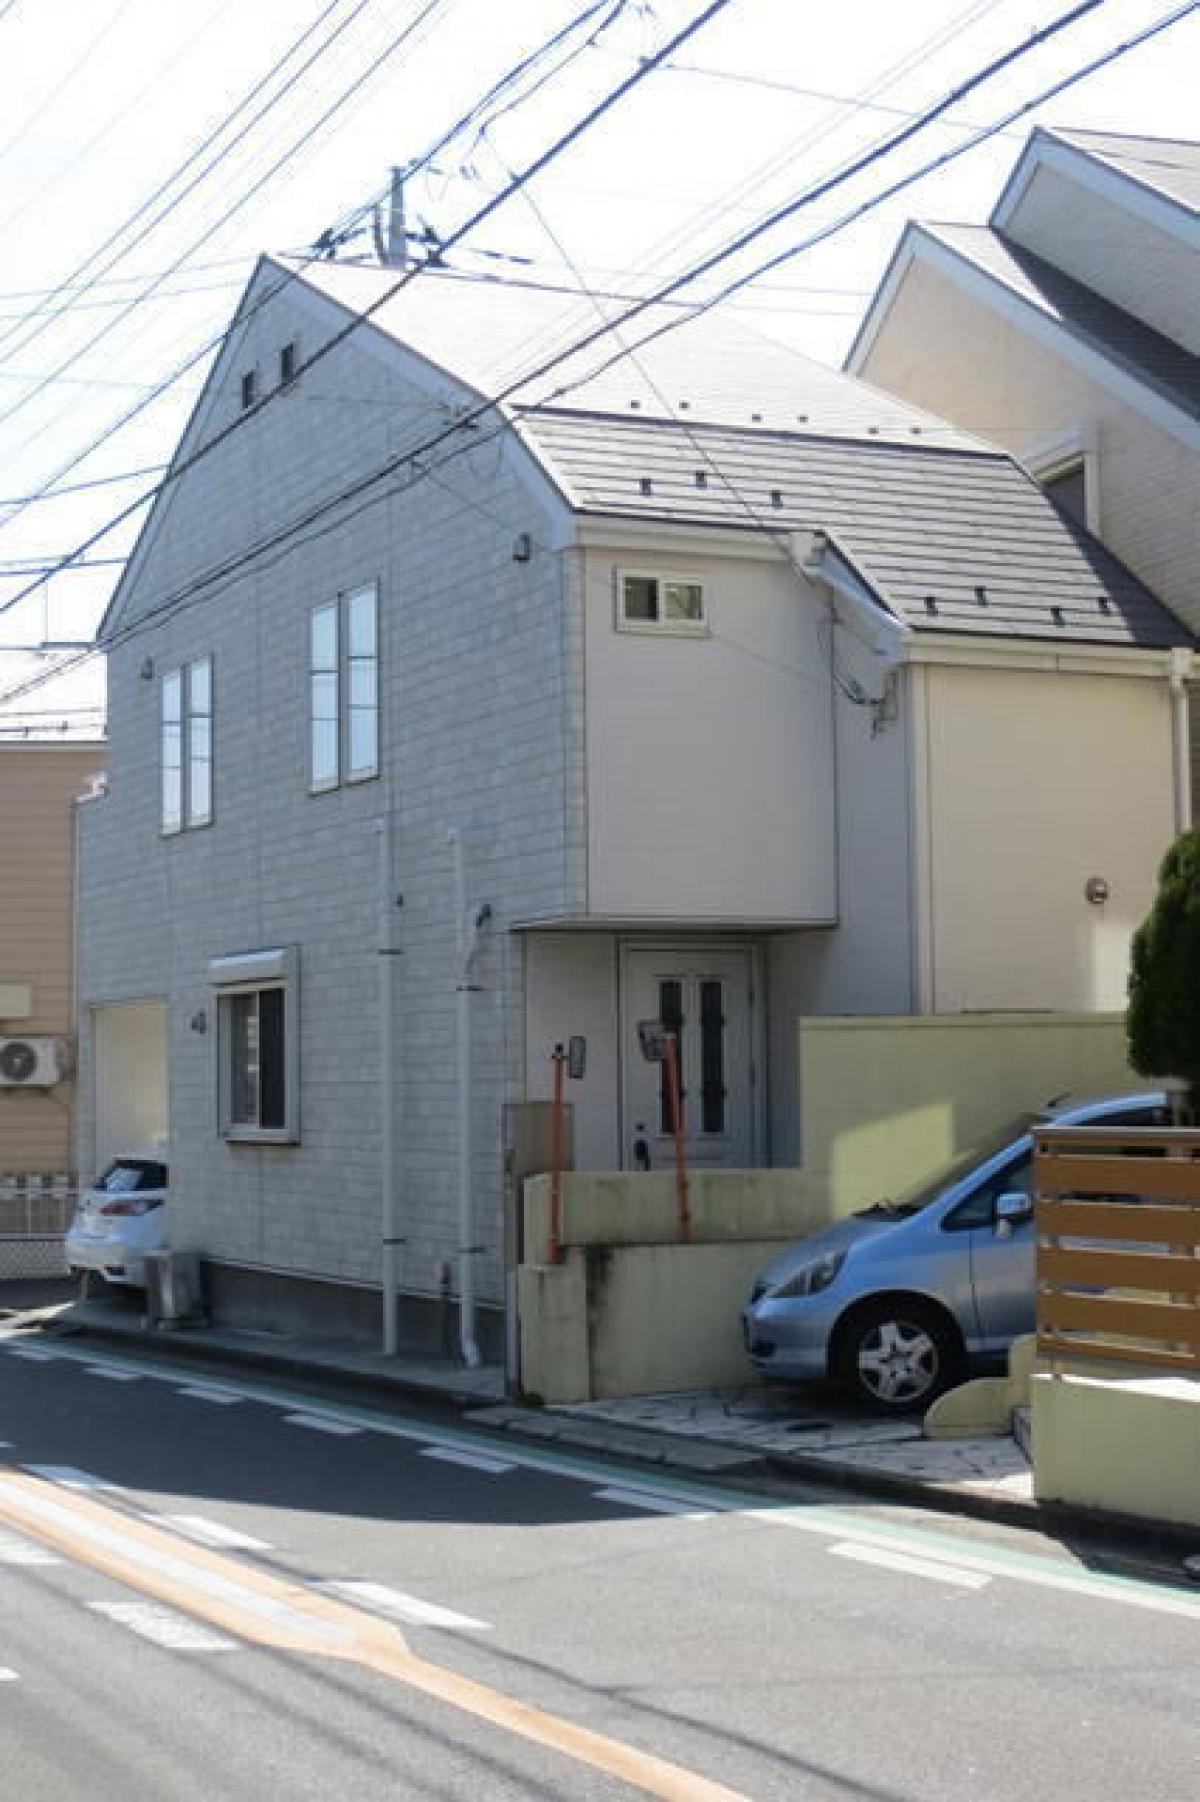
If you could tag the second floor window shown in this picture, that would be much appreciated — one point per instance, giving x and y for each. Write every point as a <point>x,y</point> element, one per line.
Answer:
<point>344,689</point>
<point>186,746</point>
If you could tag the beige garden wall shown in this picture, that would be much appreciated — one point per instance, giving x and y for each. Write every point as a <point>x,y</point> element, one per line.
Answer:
<point>886,1102</point>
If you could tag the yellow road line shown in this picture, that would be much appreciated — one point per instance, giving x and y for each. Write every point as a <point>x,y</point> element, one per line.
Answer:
<point>267,1610</point>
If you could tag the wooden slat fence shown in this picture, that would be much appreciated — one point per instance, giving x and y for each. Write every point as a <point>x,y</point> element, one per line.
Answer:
<point>1118,1261</point>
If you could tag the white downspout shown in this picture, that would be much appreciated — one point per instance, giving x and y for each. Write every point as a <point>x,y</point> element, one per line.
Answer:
<point>389,1199</point>
<point>468,928</point>
<point>1181,669</point>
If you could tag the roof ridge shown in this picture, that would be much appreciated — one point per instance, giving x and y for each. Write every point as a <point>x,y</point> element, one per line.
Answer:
<point>756,433</point>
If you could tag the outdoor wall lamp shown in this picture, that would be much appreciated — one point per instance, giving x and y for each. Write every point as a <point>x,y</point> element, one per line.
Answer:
<point>1095,890</point>
<point>199,1021</point>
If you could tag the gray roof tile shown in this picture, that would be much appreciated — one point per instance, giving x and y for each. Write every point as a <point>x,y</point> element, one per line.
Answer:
<point>1170,166</point>
<point>916,521</point>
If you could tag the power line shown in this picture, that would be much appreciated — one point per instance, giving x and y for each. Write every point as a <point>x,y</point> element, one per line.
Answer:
<point>181,169</point>
<point>542,161</point>
<point>200,586</point>
<point>339,229</point>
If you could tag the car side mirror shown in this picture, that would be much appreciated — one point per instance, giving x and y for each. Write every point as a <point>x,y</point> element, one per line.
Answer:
<point>1011,1211</point>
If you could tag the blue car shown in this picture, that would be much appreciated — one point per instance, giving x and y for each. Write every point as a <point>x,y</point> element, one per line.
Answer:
<point>898,1301</point>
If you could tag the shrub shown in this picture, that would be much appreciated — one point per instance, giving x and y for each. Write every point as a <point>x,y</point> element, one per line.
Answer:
<point>1163,1022</point>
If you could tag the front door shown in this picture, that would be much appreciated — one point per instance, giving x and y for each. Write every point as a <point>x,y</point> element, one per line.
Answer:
<point>705,997</point>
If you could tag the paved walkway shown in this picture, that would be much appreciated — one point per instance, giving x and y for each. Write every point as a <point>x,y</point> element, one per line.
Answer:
<point>812,1429</point>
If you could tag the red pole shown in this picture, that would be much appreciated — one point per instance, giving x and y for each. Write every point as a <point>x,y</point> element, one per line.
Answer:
<point>675,1099</point>
<point>558,1058</point>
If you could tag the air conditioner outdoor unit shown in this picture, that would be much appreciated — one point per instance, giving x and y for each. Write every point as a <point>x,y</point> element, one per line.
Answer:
<point>173,1292</point>
<point>32,1063</point>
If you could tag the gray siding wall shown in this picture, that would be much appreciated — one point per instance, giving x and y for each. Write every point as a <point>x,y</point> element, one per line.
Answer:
<point>476,731</point>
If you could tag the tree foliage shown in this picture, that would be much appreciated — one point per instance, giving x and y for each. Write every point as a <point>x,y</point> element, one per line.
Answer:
<point>1163,1022</point>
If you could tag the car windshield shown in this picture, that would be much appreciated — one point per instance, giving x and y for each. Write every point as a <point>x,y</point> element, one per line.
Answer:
<point>919,1196</point>
<point>127,1176</point>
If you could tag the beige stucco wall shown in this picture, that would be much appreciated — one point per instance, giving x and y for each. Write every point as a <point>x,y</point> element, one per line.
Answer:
<point>710,792</point>
<point>956,350</point>
<point>1128,1445</point>
<point>38,782</point>
<point>1036,781</point>
<point>886,1102</point>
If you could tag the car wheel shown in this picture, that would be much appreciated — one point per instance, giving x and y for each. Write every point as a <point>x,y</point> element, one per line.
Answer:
<point>898,1356</point>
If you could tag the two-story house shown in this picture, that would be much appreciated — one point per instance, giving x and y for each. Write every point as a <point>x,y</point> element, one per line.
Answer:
<point>1067,329</point>
<point>713,687</point>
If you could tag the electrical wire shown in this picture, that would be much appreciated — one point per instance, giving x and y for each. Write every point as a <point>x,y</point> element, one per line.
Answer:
<point>540,162</point>
<point>334,233</point>
<point>291,533</point>
<point>396,43</point>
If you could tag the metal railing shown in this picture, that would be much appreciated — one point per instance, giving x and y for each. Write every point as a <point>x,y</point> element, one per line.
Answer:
<point>35,1212</point>
<point>1118,1258</point>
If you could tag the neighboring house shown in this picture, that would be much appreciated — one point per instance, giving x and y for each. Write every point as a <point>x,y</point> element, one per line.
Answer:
<point>716,688</point>
<point>44,765</point>
<point>1068,330</point>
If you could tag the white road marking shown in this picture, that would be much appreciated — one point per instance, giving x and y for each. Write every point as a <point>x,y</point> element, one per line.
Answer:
<point>16,1550</point>
<point>1031,1568</point>
<point>33,1353</point>
<point>400,1607</point>
<point>113,1376</point>
<point>200,1392</point>
<point>913,1567</point>
<point>163,1627</point>
<point>472,1460</point>
<point>7,1676</point>
<point>321,1423</point>
<point>652,1503</point>
<point>68,1477</point>
<point>209,1532</point>
<point>114,1537</point>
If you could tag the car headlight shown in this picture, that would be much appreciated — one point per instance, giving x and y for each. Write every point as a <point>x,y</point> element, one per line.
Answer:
<point>811,1278</point>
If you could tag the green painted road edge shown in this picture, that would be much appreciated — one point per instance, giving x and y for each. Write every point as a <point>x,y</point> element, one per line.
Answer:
<point>727,1499</point>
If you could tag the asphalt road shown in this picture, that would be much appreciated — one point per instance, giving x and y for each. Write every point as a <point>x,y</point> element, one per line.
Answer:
<point>213,1588</point>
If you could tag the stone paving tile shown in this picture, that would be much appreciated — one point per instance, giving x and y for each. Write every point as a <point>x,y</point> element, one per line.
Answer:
<point>823,1428</point>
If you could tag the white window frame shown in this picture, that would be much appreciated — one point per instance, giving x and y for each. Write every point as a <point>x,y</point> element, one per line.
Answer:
<point>1077,447</point>
<point>254,973</point>
<point>183,732</point>
<point>344,772</point>
<point>287,382</point>
<point>670,628</point>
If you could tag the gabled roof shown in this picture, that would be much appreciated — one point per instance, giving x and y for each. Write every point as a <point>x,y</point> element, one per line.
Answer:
<point>1166,166</point>
<point>1158,361</point>
<point>947,540</point>
<point>490,334</point>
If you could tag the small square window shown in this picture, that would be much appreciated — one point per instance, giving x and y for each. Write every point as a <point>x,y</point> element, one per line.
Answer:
<point>289,358</point>
<point>660,603</point>
<point>249,388</point>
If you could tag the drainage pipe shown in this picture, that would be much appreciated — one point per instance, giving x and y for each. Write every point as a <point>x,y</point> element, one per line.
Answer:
<point>1181,669</point>
<point>469,925</point>
<point>388,953</point>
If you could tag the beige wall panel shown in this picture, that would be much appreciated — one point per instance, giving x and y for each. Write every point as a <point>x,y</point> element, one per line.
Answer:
<point>1038,781</point>
<point>949,350</point>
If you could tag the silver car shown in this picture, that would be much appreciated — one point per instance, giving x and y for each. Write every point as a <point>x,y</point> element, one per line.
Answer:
<point>897,1301</point>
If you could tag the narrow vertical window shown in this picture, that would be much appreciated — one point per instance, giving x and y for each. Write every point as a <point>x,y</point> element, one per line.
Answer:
<point>172,751</point>
<point>199,742</point>
<point>712,1057</point>
<point>344,688</point>
<point>323,678</point>
<point>362,685</point>
<point>287,363</point>
<point>670,1012</point>
<point>249,388</point>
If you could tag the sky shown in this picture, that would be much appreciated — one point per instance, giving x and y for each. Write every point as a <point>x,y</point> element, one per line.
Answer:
<point>149,152</point>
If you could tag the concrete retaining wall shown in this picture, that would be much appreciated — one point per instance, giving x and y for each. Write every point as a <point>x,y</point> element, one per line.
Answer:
<point>1126,1444</point>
